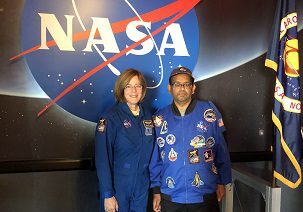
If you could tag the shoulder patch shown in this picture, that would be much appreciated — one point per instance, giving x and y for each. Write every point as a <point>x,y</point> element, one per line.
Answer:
<point>158,120</point>
<point>220,122</point>
<point>210,115</point>
<point>101,125</point>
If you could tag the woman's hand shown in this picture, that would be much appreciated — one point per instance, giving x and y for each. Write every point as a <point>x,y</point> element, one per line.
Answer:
<point>110,204</point>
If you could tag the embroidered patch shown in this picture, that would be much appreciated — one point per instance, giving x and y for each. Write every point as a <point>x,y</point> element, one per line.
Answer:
<point>214,169</point>
<point>170,139</point>
<point>201,127</point>
<point>193,156</point>
<point>197,181</point>
<point>210,142</point>
<point>158,120</point>
<point>162,154</point>
<point>170,182</point>
<point>148,124</point>
<point>127,123</point>
<point>208,155</point>
<point>210,115</point>
<point>220,123</point>
<point>160,142</point>
<point>164,128</point>
<point>101,125</point>
<point>198,141</point>
<point>172,155</point>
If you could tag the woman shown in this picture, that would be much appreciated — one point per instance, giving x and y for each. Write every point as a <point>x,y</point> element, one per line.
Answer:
<point>124,142</point>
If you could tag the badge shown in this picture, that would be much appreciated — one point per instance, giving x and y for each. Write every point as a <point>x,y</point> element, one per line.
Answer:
<point>193,156</point>
<point>158,120</point>
<point>208,155</point>
<point>210,142</point>
<point>170,139</point>
<point>214,169</point>
<point>210,115</point>
<point>170,182</point>
<point>148,124</point>
<point>164,128</point>
<point>101,125</point>
<point>201,127</point>
<point>220,123</point>
<point>197,181</point>
<point>198,141</point>
<point>160,142</point>
<point>172,155</point>
<point>148,131</point>
<point>127,123</point>
<point>162,154</point>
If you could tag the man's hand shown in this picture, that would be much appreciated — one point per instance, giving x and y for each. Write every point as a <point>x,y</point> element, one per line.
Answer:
<point>220,192</point>
<point>156,202</point>
<point>110,204</point>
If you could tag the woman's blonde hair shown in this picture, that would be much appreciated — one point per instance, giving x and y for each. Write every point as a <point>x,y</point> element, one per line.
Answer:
<point>124,79</point>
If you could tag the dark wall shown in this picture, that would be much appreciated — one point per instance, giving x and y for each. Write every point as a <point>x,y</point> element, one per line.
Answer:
<point>49,191</point>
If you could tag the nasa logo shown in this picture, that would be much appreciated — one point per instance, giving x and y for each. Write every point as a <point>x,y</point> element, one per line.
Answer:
<point>76,50</point>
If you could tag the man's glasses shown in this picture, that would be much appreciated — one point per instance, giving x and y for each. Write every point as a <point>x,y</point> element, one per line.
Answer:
<point>180,85</point>
<point>130,87</point>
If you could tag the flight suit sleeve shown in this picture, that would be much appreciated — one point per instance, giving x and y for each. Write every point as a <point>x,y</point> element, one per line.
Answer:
<point>155,169</point>
<point>104,141</point>
<point>222,158</point>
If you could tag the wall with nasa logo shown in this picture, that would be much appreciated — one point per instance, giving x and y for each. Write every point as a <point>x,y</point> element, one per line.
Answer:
<point>226,54</point>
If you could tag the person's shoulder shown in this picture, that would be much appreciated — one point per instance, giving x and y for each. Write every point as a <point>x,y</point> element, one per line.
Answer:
<point>206,104</point>
<point>163,110</point>
<point>110,113</point>
<point>148,112</point>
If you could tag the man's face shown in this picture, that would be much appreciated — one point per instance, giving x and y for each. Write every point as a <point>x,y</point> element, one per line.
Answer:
<point>181,88</point>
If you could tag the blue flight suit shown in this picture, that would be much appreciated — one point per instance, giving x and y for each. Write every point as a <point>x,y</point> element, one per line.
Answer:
<point>123,150</point>
<point>190,156</point>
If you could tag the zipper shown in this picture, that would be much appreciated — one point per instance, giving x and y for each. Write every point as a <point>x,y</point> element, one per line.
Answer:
<point>140,153</point>
<point>184,158</point>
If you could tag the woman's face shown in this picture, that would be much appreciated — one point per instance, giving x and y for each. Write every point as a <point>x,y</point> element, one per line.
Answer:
<point>133,91</point>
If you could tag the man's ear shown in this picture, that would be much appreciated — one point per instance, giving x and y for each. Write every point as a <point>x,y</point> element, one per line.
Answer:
<point>169,88</point>
<point>194,88</point>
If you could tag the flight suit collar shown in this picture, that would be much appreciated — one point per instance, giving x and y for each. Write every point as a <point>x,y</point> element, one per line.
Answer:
<point>126,109</point>
<point>189,109</point>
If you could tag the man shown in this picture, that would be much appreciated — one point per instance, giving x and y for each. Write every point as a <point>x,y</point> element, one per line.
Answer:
<point>190,163</point>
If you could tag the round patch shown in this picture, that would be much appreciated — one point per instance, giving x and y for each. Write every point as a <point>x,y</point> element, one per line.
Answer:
<point>170,139</point>
<point>160,142</point>
<point>210,115</point>
<point>210,142</point>
<point>127,123</point>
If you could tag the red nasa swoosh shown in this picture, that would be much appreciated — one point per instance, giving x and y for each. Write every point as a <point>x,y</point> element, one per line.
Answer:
<point>180,8</point>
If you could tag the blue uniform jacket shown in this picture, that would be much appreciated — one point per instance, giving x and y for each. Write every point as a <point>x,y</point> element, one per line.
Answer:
<point>190,156</point>
<point>123,147</point>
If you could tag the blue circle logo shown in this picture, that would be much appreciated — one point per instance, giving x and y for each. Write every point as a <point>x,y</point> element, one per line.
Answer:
<point>76,50</point>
